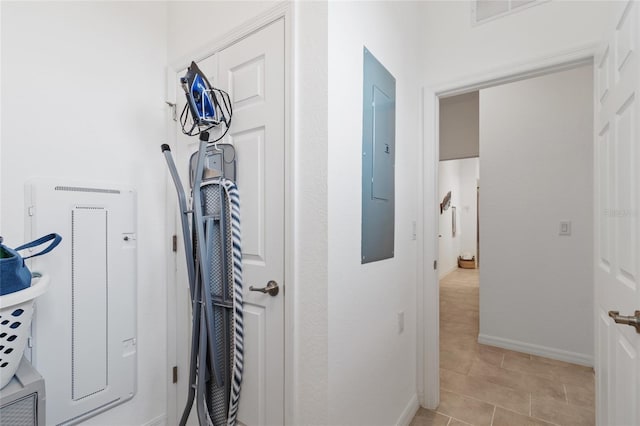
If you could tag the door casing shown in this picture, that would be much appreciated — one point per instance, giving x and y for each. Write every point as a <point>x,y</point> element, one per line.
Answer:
<point>428,293</point>
<point>283,11</point>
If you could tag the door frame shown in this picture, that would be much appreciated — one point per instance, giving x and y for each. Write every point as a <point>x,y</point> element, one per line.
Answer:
<point>284,11</point>
<point>428,292</point>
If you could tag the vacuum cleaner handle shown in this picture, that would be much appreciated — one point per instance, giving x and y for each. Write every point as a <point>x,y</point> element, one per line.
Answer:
<point>184,215</point>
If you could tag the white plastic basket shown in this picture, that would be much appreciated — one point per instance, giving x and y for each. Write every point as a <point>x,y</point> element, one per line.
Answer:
<point>16,310</point>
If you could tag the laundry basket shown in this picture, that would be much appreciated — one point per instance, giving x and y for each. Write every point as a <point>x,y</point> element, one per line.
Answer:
<point>16,310</point>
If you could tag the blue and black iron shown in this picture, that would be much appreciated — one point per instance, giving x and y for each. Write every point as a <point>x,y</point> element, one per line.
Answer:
<point>206,107</point>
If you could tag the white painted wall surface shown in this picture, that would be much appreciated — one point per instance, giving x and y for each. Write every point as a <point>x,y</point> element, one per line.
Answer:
<point>372,368</point>
<point>448,245</point>
<point>186,34</point>
<point>83,99</point>
<point>468,206</point>
<point>536,167</point>
<point>126,50</point>
<point>455,50</point>
<point>459,127</point>
<point>460,177</point>
<point>310,391</point>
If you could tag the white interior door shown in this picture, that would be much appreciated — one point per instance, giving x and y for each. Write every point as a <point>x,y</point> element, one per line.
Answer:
<point>252,72</point>
<point>429,315</point>
<point>617,254</point>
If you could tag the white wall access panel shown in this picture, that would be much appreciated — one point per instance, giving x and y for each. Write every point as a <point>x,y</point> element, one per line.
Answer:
<point>84,328</point>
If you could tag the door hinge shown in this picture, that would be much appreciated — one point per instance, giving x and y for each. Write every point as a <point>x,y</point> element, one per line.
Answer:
<point>174,115</point>
<point>175,374</point>
<point>174,243</point>
<point>435,264</point>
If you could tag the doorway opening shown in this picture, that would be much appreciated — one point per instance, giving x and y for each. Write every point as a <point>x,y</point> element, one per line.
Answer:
<point>504,194</point>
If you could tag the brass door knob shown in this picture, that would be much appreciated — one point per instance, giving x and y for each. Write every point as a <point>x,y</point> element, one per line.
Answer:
<point>272,288</point>
<point>633,321</point>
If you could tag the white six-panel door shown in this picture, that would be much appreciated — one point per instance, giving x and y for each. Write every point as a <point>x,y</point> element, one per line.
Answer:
<point>617,251</point>
<point>252,72</point>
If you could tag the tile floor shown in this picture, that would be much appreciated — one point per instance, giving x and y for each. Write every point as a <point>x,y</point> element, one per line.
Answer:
<point>488,386</point>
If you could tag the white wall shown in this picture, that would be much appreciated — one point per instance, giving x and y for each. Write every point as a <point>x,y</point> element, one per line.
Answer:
<point>311,318</point>
<point>372,368</point>
<point>468,207</point>
<point>83,98</point>
<point>126,50</point>
<point>536,167</point>
<point>187,35</point>
<point>448,245</point>
<point>460,177</point>
<point>459,126</point>
<point>456,50</point>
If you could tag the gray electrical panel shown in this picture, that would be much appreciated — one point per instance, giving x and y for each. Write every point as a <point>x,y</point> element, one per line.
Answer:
<point>378,160</point>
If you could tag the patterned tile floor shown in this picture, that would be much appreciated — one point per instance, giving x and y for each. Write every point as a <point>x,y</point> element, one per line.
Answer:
<point>487,386</point>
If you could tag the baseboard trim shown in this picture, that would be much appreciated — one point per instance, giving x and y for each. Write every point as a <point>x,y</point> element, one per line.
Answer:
<point>409,412</point>
<point>547,352</point>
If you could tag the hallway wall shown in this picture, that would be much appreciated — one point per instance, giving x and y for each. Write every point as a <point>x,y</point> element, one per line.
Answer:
<point>455,49</point>
<point>448,245</point>
<point>459,126</point>
<point>536,145</point>
<point>460,177</point>
<point>372,367</point>
<point>184,38</point>
<point>468,207</point>
<point>121,49</point>
<point>83,88</point>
